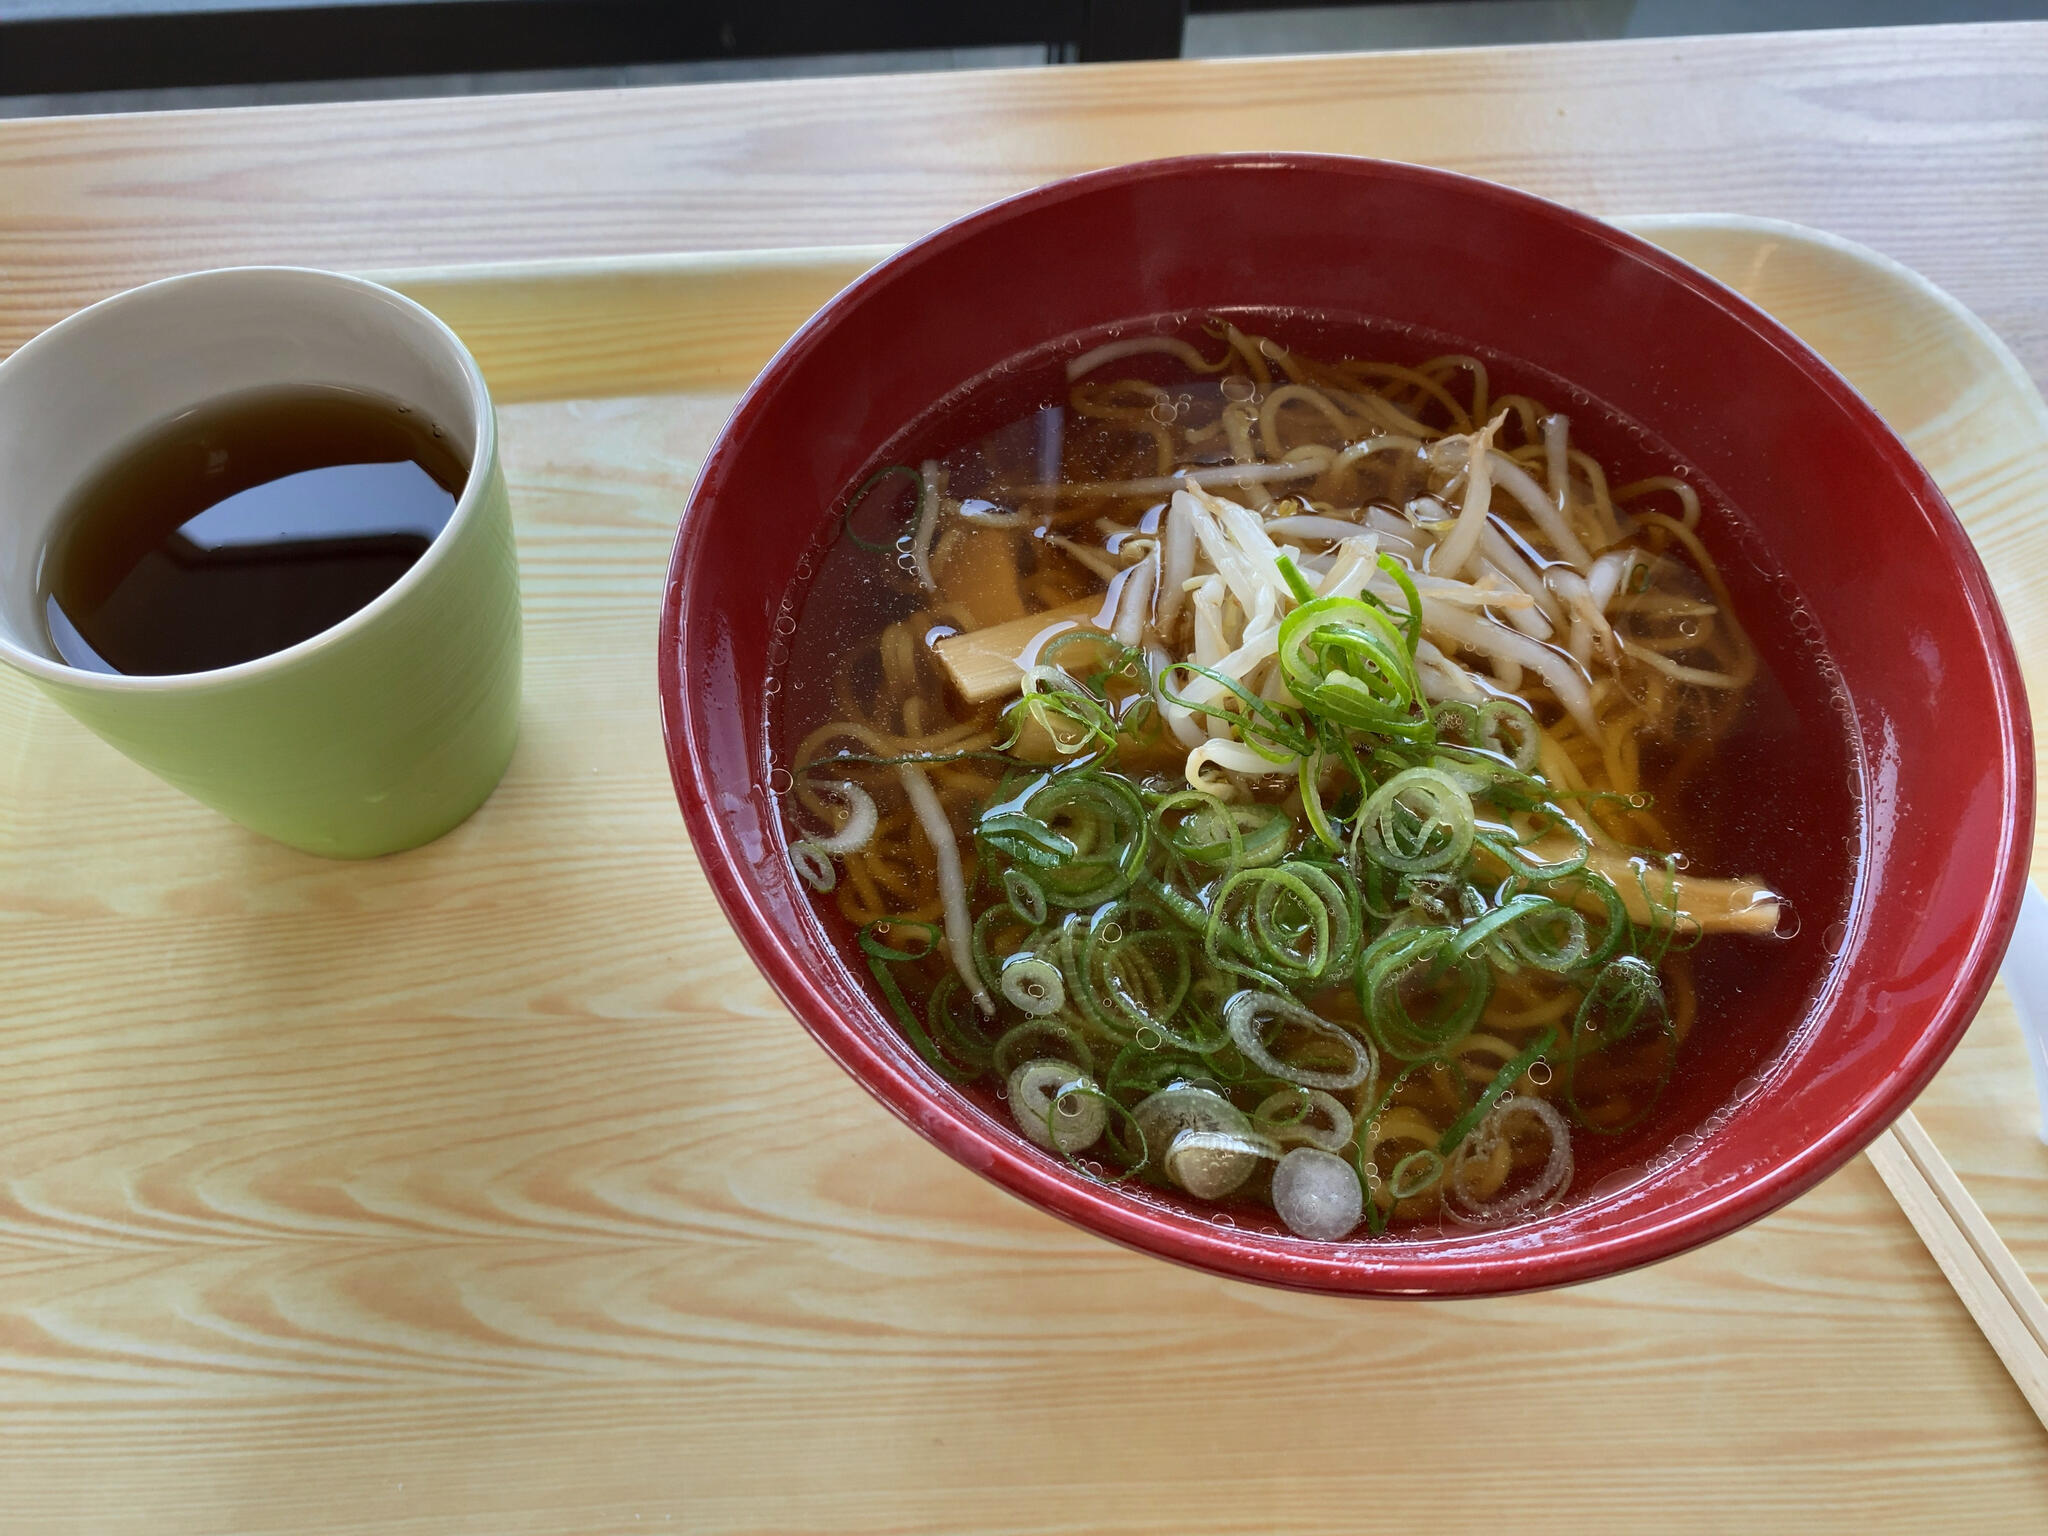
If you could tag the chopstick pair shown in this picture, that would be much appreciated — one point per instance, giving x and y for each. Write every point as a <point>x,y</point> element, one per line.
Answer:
<point>1985,1275</point>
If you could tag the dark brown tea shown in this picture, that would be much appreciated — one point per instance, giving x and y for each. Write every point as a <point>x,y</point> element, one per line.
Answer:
<point>244,526</point>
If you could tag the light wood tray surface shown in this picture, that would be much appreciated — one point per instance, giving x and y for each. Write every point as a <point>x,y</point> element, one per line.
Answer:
<point>487,1188</point>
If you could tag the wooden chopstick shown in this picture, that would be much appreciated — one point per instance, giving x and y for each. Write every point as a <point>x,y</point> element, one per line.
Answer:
<point>1994,1288</point>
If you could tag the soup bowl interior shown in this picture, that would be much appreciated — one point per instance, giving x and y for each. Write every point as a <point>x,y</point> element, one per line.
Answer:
<point>1838,527</point>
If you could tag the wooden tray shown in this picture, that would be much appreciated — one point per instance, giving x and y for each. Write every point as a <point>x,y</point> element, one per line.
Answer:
<point>487,1188</point>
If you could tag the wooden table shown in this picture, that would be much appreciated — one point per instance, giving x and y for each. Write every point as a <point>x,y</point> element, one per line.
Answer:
<point>380,1203</point>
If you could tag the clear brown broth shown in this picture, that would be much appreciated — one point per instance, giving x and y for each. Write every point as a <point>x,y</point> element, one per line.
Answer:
<point>1775,797</point>
<point>244,526</point>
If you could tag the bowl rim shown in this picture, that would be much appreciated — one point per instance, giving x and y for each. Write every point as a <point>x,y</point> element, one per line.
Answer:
<point>1343,1268</point>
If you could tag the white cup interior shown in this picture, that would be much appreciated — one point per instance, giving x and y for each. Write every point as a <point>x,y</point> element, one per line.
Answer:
<point>87,388</point>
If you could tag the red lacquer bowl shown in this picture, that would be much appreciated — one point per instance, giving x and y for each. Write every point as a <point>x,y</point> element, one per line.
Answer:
<point>1890,579</point>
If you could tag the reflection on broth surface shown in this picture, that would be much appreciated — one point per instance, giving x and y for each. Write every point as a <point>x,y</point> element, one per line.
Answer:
<point>1310,784</point>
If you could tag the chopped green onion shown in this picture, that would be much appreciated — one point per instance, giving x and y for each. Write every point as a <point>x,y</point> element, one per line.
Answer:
<point>878,959</point>
<point>1308,776</point>
<point>1202,828</point>
<point>1251,1016</point>
<point>1285,1116</point>
<point>1415,1173</point>
<point>1081,834</point>
<point>1057,1105</point>
<point>1418,994</point>
<point>1419,820</point>
<point>1129,969</point>
<point>1296,582</point>
<point>1027,897</point>
<point>1072,717</point>
<point>1297,920</point>
<point>877,948</point>
<point>1505,1079</point>
<point>859,498</point>
<point>1624,1010</point>
<point>1411,623</point>
<point>1317,1195</point>
<point>1345,659</point>
<point>1034,984</point>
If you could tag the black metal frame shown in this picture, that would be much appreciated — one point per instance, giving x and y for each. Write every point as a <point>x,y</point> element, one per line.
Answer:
<point>263,45</point>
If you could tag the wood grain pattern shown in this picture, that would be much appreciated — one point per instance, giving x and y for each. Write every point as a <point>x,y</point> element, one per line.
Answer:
<point>1927,143</point>
<point>389,1198</point>
<point>602,326</point>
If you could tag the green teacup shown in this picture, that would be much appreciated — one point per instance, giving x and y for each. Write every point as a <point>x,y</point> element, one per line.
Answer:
<point>379,733</point>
